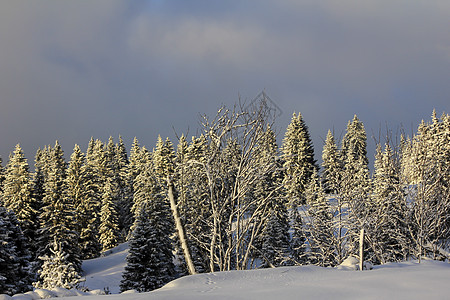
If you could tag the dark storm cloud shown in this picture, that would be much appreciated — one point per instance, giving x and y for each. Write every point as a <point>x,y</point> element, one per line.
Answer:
<point>74,69</point>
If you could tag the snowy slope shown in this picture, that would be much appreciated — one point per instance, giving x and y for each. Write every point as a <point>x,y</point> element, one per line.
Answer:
<point>106,272</point>
<point>409,280</point>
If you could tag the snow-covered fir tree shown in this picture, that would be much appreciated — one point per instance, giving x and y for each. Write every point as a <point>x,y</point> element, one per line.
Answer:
<point>109,228</point>
<point>142,163</point>
<point>2,175</point>
<point>57,270</point>
<point>275,240</point>
<point>124,190</point>
<point>57,219</point>
<point>149,262</point>
<point>18,193</point>
<point>426,168</point>
<point>388,237</point>
<point>319,226</point>
<point>93,171</point>
<point>16,273</point>
<point>75,187</point>
<point>163,159</point>
<point>354,182</point>
<point>299,162</point>
<point>194,208</point>
<point>272,241</point>
<point>298,241</point>
<point>331,165</point>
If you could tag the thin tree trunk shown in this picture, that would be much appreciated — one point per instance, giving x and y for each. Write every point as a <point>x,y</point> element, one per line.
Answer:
<point>361,249</point>
<point>180,229</point>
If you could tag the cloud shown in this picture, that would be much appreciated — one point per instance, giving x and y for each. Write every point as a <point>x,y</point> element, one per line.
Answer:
<point>71,69</point>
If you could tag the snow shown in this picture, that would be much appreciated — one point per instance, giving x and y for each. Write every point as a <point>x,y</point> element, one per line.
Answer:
<point>105,272</point>
<point>407,280</point>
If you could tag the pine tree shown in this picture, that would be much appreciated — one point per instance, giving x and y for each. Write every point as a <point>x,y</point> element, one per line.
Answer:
<point>149,262</point>
<point>18,193</point>
<point>109,229</point>
<point>299,162</point>
<point>16,275</point>
<point>57,270</point>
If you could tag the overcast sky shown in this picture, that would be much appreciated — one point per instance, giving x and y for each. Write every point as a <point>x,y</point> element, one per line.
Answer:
<point>70,70</point>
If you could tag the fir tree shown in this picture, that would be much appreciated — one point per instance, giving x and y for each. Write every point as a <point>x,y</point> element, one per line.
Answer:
<point>16,275</point>
<point>18,193</point>
<point>163,159</point>
<point>354,184</point>
<point>299,162</point>
<point>275,239</point>
<point>109,229</point>
<point>57,270</point>
<point>388,236</point>
<point>319,227</point>
<point>149,262</point>
<point>125,195</point>
<point>2,175</point>
<point>331,165</point>
<point>93,170</point>
<point>75,186</point>
<point>297,242</point>
<point>57,218</point>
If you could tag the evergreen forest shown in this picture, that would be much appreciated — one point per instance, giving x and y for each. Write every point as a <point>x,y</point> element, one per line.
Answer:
<point>229,198</point>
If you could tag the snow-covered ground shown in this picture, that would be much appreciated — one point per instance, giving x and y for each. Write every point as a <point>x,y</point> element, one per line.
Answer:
<point>106,272</point>
<point>408,280</point>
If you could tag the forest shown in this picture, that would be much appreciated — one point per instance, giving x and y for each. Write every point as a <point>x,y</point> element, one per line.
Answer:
<point>229,198</point>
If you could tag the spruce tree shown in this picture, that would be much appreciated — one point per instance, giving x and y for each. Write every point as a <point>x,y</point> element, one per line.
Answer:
<point>194,207</point>
<point>354,183</point>
<point>109,228</point>
<point>125,195</point>
<point>275,240</point>
<point>331,165</point>
<point>389,237</point>
<point>319,227</point>
<point>57,218</point>
<point>297,242</point>
<point>272,242</point>
<point>149,262</point>
<point>75,186</point>
<point>16,274</point>
<point>93,170</point>
<point>2,175</point>
<point>18,193</point>
<point>299,162</point>
<point>57,270</point>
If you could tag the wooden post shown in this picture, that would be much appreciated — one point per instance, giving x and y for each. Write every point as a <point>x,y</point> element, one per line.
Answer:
<point>361,249</point>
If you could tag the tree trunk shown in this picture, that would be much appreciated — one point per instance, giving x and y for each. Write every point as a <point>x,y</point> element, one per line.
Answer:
<point>361,249</point>
<point>180,229</point>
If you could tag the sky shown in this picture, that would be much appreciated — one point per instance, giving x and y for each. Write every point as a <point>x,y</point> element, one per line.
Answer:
<point>75,69</point>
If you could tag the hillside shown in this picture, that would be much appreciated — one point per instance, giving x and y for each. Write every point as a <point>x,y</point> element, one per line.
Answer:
<point>408,280</point>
